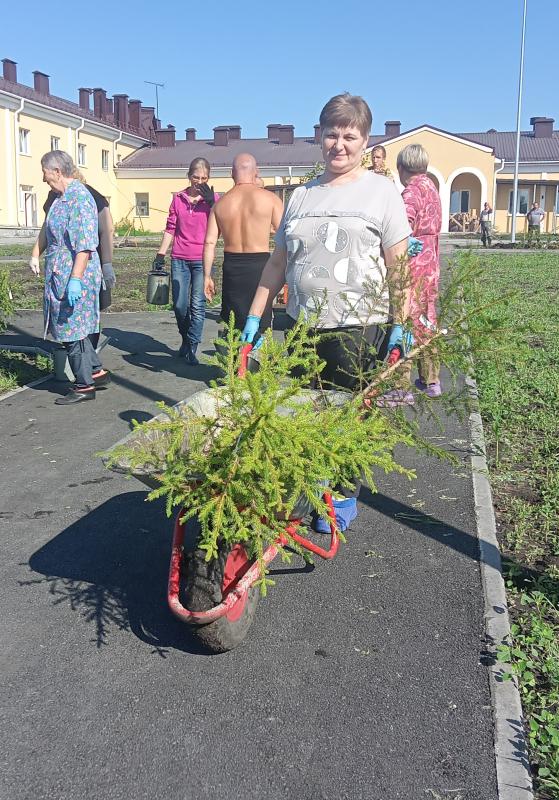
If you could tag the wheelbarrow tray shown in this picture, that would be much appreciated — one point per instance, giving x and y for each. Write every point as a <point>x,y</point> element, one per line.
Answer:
<point>204,403</point>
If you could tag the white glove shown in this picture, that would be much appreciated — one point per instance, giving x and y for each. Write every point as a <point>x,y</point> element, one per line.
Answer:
<point>109,276</point>
<point>34,265</point>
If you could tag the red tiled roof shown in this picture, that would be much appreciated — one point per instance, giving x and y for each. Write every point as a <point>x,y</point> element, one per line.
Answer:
<point>304,151</point>
<point>28,93</point>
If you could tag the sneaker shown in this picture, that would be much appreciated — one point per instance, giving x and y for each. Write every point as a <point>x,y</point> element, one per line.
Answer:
<point>394,398</point>
<point>430,389</point>
<point>183,349</point>
<point>75,396</point>
<point>191,356</point>
<point>345,511</point>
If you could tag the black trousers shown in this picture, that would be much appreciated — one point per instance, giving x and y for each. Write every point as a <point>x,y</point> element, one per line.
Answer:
<point>83,361</point>
<point>348,353</point>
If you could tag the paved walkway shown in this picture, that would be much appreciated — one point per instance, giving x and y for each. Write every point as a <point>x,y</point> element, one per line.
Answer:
<point>360,679</point>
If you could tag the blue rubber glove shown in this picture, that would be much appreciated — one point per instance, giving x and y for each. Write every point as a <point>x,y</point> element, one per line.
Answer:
<point>400,338</point>
<point>74,291</point>
<point>250,330</point>
<point>415,246</point>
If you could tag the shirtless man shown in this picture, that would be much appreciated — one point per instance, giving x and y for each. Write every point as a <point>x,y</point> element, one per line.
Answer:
<point>244,217</point>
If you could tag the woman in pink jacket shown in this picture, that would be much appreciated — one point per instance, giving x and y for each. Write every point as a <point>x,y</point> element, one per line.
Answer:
<point>186,229</point>
<point>423,207</point>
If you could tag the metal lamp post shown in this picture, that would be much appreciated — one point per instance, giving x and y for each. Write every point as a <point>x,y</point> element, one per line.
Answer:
<point>518,111</point>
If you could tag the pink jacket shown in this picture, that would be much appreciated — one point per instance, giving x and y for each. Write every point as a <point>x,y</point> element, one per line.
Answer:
<point>187,223</point>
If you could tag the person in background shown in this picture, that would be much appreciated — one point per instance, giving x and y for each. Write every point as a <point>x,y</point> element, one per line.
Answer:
<point>534,217</point>
<point>186,229</point>
<point>485,224</point>
<point>423,209</point>
<point>378,162</point>
<point>244,217</point>
<point>105,251</point>
<point>72,273</point>
<point>340,234</point>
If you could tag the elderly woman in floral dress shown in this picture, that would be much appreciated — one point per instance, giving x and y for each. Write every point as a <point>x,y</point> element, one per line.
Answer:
<point>72,273</point>
<point>423,208</point>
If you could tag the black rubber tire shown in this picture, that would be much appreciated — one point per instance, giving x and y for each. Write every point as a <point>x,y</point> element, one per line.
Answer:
<point>202,591</point>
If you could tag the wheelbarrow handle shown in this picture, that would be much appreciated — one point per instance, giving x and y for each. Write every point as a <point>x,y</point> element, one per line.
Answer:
<point>243,366</point>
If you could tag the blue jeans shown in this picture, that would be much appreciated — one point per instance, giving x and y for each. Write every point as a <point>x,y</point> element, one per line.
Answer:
<point>187,279</point>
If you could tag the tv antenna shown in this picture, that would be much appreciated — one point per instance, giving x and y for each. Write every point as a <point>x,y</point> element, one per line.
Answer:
<point>157,87</point>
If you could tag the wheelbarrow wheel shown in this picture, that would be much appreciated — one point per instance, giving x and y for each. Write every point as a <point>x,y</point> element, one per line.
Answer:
<point>205,585</point>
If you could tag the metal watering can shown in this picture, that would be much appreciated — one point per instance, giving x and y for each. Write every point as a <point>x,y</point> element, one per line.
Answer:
<point>157,292</point>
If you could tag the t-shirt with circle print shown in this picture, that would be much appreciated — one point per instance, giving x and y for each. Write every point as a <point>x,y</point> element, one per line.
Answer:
<point>334,237</point>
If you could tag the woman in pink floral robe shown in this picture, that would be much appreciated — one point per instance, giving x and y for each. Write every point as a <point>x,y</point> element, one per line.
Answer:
<point>423,207</point>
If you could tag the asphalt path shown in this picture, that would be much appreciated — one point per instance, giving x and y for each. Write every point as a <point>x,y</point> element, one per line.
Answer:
<point>360,678</point>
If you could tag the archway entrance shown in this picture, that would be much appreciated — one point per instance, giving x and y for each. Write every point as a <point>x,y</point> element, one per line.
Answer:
<point>465,203</point>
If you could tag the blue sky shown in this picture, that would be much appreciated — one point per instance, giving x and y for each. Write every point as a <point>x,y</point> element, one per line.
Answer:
<point>248,62</point>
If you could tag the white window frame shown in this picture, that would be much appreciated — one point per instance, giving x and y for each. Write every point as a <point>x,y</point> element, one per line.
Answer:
<point>105,160</point>
<point>461,192</point>
<point>55,143</point>
<point>142,205</point>
<point>24,143</point>
<point>82,155</point>
<point>523,191</point>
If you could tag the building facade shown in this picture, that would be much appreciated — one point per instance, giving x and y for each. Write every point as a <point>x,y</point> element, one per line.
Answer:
<point>123,152</point>
<point>33,121</point>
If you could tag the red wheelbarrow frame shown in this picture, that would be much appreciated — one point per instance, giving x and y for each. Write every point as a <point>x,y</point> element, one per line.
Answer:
<point>239,588</point>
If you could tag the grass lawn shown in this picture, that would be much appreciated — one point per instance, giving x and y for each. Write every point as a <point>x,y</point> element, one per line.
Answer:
<point>519,397</point>
<point>17,369</point>
<point>131,264</point>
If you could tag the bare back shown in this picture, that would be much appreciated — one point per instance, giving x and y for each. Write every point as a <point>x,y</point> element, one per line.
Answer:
<point>246,216</point>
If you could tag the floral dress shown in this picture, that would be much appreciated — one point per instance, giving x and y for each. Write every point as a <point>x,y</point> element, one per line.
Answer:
<point>423,207</point>
<point>71,228</point>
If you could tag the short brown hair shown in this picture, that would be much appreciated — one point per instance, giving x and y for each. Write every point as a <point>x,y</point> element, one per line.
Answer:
<point>378,148</point>
<point>347,111</point>
<point>199,162</point>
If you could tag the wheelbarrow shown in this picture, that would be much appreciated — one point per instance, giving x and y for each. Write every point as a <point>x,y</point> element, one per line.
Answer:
<point>218,598</point>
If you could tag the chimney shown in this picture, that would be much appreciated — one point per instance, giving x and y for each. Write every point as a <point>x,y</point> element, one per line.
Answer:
<point>165,137</point>
<point>121,110</point>
<point>41,82</point>
<point>10,70</point>
<point>134,112</point>
<point>221,136</point>
<point>317,134</point>
<point>191,134</point>
<point>84,99</point>
<point>99,103</point>
<point>273,130</point>
<point>543,127</point>
<point>234,132</point>
<point>392,128</point>
<point>286,134</point>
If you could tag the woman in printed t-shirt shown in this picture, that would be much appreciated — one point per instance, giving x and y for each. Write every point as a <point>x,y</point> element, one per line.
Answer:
<point>341,231</point>
<point>186,229</point>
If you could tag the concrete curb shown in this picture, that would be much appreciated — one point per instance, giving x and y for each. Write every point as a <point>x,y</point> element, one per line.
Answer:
<point>514,781</point>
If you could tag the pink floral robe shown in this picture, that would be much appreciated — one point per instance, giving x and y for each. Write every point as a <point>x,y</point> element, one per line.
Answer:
<point>423,207</point>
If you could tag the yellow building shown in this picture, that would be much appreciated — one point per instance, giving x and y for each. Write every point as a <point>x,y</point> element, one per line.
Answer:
<point>124,153</point>
<point>33,121</point>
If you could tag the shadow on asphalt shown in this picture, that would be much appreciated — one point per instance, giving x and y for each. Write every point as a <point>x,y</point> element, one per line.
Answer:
<point>112,567</point>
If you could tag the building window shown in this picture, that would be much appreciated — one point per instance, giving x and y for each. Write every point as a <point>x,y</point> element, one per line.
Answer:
<point>54,143</point>
<point>24,141</point>
<point>81,155</point>
<point>142,204</point>
<point>522,201</point>
<point>460,201</point>
<point>105,160</point>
